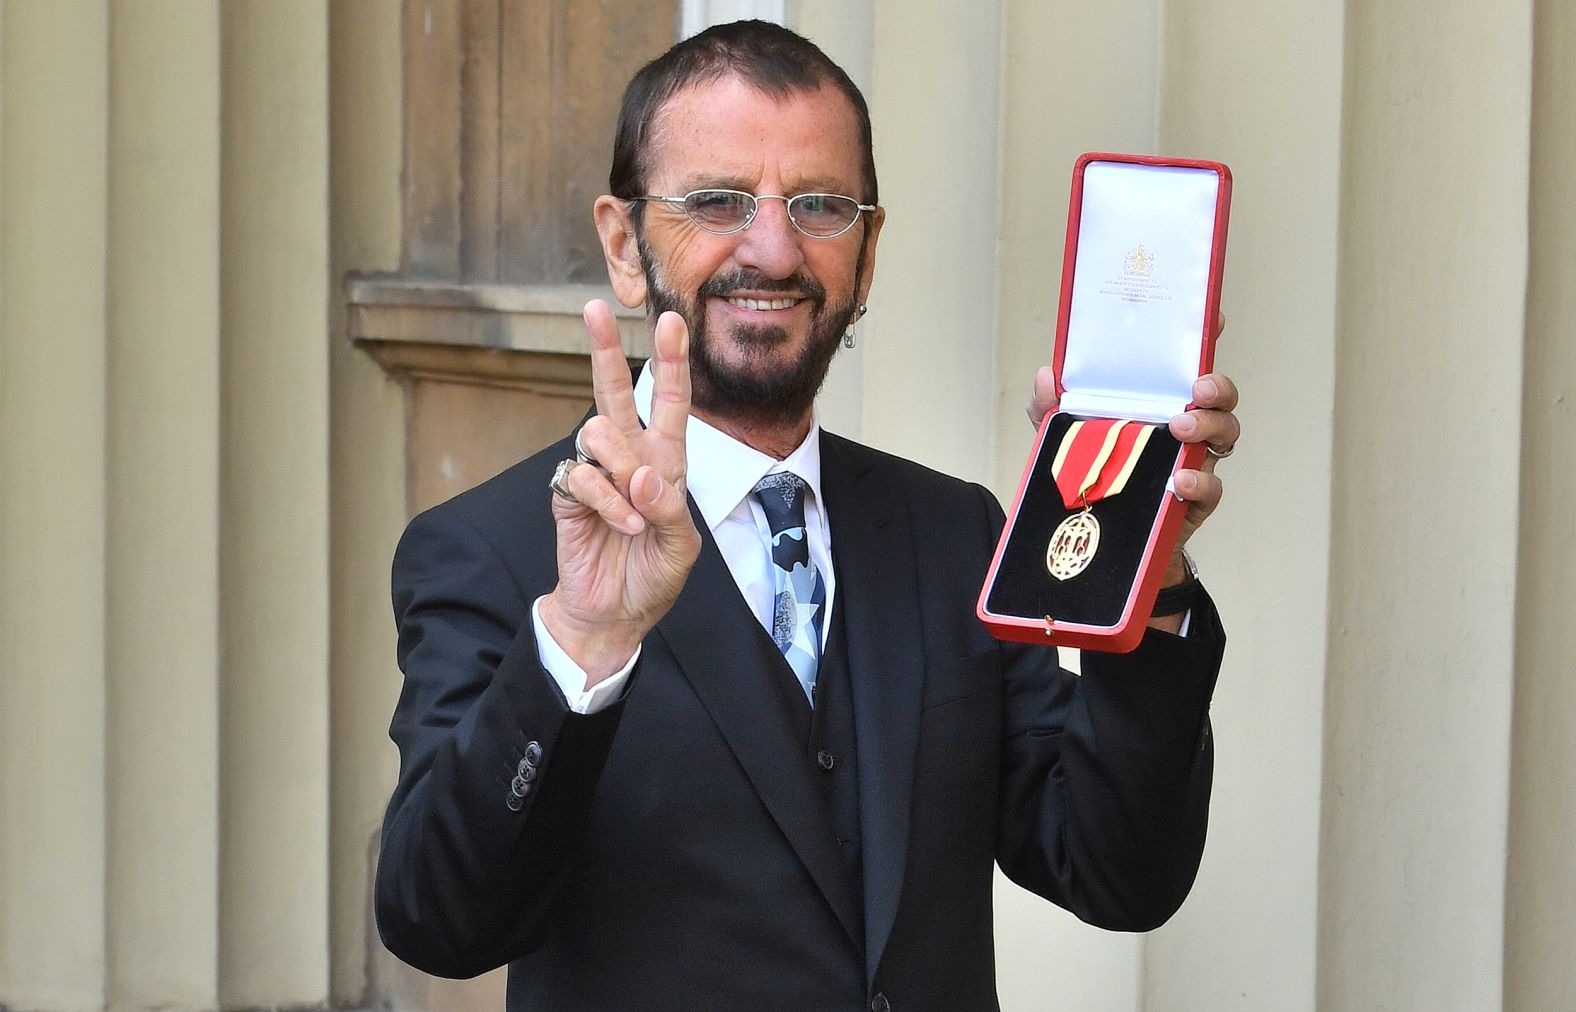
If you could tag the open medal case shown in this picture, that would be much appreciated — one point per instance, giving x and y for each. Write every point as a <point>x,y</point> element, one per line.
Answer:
<point>1140,304</point>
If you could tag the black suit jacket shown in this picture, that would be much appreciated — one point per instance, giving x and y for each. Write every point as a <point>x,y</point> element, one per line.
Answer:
<point>673,852</point>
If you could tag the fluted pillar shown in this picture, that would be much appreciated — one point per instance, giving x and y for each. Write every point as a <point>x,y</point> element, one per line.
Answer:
<point>1541,878</point>
<point>163,505</point>
<point>368,467</point>
<point>1433,279</point>
<point>932,65</point>
<point>53,71</point>
<point>274,688</point>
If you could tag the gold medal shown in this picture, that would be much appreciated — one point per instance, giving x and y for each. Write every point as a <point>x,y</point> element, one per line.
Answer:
<point>1073,545</point>
<point>1094,462</point>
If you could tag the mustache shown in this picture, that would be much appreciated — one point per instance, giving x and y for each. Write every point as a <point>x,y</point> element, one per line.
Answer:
<point>755,281</point>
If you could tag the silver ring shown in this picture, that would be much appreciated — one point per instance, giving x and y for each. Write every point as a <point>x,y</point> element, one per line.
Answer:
<point>560,481</point>
<point>1209,448</point>
<point>581,455</point>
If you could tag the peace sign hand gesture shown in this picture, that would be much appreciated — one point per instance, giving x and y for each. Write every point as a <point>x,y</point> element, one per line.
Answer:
<point>626,541</point>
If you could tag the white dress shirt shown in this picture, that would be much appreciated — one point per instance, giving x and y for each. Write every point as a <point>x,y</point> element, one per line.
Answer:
<point>721,474</point>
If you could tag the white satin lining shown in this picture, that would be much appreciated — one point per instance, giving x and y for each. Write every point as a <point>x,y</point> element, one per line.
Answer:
<point>1135,331</point>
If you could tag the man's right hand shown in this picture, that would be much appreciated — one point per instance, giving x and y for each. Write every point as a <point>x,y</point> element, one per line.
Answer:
<point>627,546</point>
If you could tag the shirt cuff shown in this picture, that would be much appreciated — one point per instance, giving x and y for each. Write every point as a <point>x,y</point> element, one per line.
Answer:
<point>571,677</point>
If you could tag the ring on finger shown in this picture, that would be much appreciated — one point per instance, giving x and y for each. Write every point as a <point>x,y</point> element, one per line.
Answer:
<point>1209,448</point>
<point>560,480</point>
<point>581,455</point>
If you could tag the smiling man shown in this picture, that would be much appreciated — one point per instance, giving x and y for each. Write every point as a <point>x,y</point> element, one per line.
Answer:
<point>697,711</point>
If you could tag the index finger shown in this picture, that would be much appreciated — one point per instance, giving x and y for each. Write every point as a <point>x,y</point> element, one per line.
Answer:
<point>1043,400</point>
<point>610,383</point>
<point>1215,390</point>
<point>670,391</point>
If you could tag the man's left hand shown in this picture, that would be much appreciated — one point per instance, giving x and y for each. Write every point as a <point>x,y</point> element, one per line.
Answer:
<point>1212,421</point>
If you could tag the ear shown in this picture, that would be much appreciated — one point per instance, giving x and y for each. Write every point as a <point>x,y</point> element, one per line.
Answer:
<point>874,220</point>
<point>621,250</point>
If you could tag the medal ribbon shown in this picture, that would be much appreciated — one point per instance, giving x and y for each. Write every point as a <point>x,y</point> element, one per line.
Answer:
<point>1096,458</point>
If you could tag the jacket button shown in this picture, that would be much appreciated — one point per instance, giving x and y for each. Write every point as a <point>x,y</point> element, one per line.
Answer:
<point>526,771</point>
<point>825,759</point>
<point>519,787</point>
<point>533,753</point>
<point>880,1004</point>
<point>514,801</point>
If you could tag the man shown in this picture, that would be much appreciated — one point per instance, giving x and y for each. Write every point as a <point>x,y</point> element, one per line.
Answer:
<point>697,711</point>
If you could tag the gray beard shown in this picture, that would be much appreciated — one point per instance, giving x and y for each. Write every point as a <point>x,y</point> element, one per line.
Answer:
<point>762,398</point>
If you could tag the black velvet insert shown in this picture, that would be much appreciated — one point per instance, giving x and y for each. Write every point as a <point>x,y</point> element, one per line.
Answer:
<point>1096,596</point>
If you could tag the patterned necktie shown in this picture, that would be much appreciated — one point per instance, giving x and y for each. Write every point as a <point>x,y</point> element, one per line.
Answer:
<point>801,594</point>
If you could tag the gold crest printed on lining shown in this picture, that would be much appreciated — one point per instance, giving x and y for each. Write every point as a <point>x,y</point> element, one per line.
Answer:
<point>1139,262</point>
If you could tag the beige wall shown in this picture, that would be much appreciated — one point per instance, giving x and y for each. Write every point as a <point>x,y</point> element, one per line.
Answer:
<point>53,509</point>
<point>368,475</point>
<point>164,623</point>
<point>201,479</point>
<point>163,397</point>
<point>1431,337</point>
<point>1541,884</point>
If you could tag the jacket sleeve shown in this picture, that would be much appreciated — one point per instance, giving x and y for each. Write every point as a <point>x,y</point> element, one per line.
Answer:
<point>1105,776</point>
<point>495,772</point>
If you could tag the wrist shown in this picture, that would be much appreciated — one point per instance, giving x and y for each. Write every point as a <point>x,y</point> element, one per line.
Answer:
<point>601,649</point>
<point>1179,570</point>
<point>1179,589</point>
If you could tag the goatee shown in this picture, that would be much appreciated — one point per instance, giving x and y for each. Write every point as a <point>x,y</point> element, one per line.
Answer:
<point>755,392</point>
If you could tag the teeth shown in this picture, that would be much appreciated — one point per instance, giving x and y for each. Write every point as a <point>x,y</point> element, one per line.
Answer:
<point>763,303</point>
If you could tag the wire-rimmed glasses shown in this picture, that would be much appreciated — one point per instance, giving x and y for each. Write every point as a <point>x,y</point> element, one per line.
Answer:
<point>724,212</point>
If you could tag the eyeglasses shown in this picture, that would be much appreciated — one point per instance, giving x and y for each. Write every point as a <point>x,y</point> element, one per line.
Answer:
<point>724,212</point>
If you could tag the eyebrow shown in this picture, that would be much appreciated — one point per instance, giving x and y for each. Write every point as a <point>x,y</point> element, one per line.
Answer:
<point>813,184</point>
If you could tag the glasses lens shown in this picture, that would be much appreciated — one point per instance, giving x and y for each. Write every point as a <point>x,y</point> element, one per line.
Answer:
<point>823,214</point>
<point>719,210</point>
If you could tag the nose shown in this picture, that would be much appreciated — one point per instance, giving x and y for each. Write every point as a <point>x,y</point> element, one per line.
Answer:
<point>771,243</point>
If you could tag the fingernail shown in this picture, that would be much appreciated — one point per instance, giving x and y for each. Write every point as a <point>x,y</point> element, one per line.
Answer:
<point>1183,425</point>
<point>1205,390</point>
<point>1185,482</point>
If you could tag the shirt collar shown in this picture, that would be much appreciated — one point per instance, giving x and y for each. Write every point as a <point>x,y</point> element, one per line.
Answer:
<point>722,470</point>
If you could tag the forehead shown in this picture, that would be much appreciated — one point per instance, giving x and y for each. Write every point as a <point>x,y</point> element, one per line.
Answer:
<point>727,132</point>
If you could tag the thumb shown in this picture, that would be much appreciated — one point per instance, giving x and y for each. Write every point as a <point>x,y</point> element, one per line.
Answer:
<point>661,502</point>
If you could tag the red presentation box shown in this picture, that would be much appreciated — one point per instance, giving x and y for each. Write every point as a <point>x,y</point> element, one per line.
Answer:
<point>1140,306</point>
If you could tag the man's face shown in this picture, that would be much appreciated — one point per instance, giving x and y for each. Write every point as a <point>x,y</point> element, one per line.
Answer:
<point>767,306</point>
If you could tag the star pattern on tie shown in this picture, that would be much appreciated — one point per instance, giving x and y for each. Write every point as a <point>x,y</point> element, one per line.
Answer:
<point>800,593</point>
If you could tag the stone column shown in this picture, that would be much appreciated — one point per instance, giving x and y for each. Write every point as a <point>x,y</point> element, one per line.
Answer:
<point>1427,425</point>
<point>1541,882</point>
<point>52,508</point>
<point>162,771</point>
<point>274,694</point>
<point>929,340</point>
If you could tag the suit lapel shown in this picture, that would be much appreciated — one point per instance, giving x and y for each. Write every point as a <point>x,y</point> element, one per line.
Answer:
<point>733,667</point>
<point>873,548</point>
